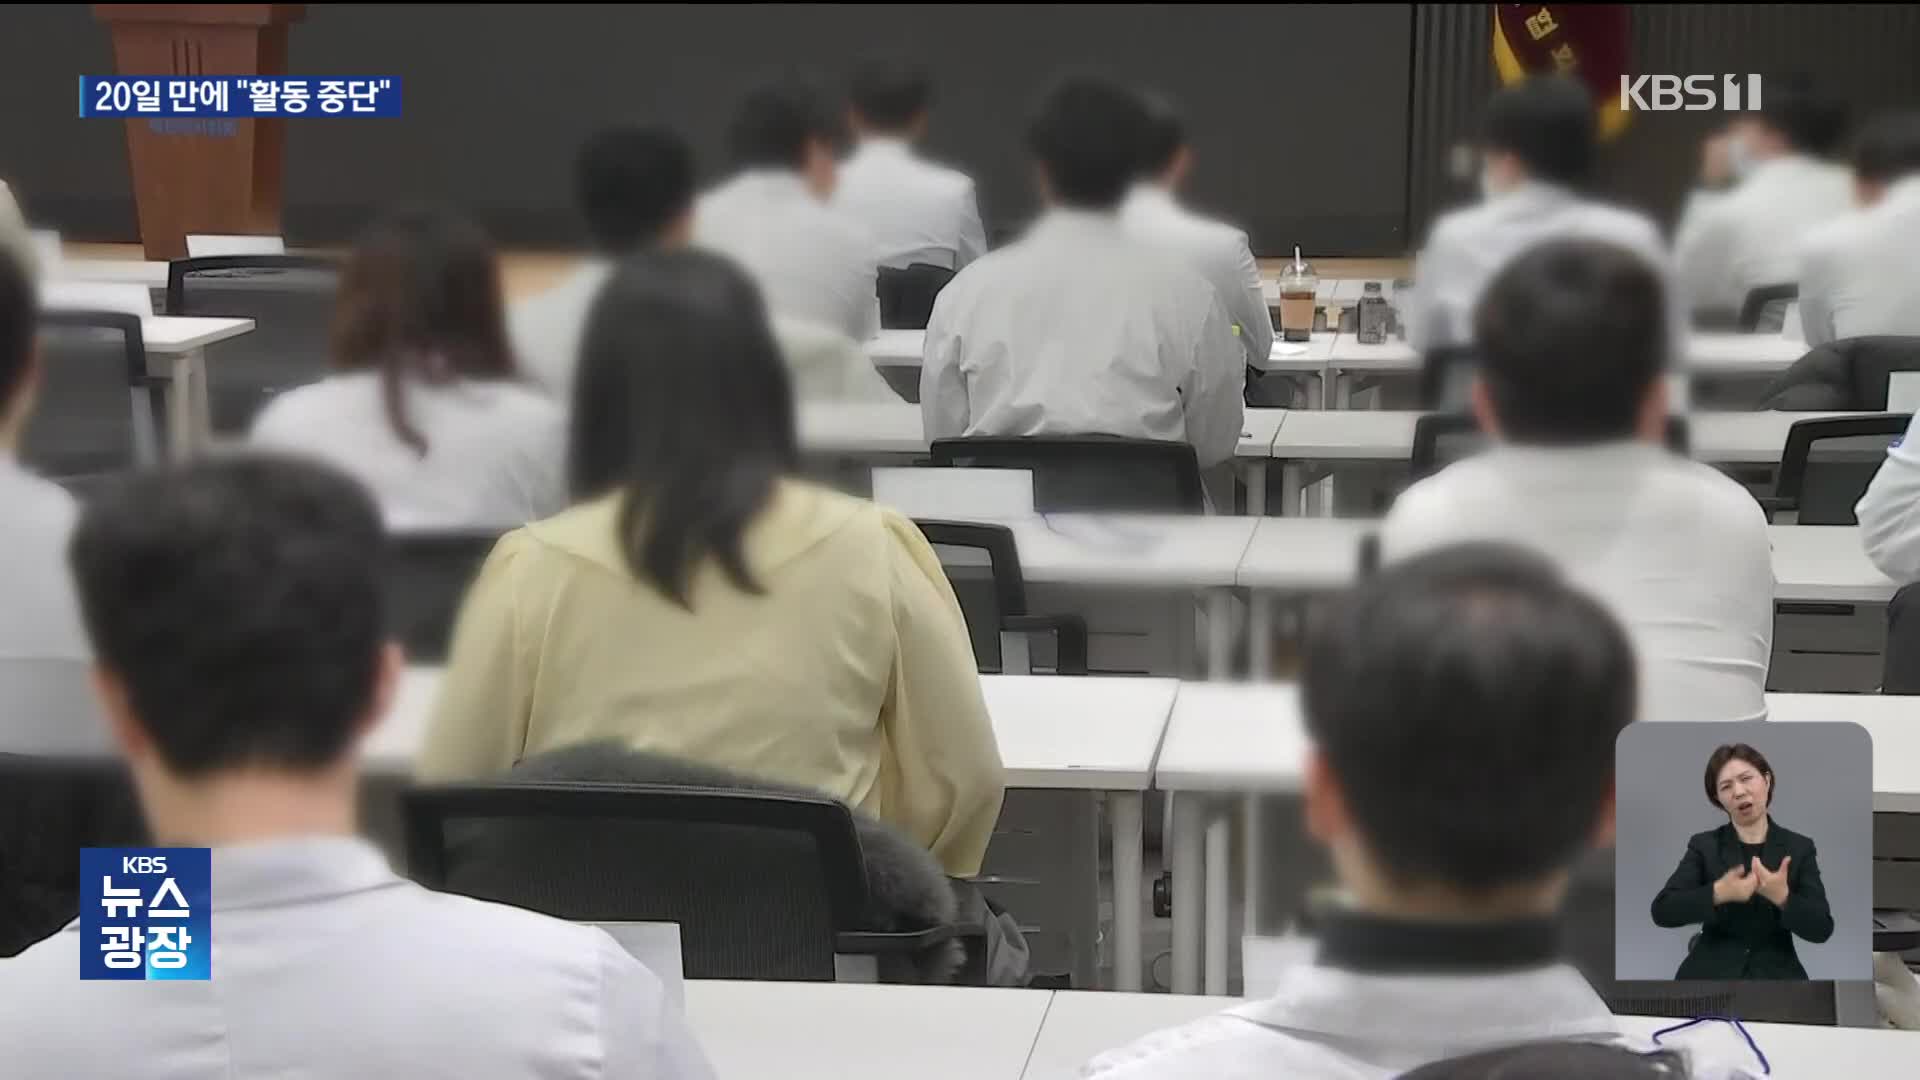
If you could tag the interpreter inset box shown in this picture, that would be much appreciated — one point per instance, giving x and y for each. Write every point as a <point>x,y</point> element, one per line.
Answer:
<point>1744,851</point>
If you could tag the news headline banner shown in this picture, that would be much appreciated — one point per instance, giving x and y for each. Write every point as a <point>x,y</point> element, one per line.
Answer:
<point>238,96</point>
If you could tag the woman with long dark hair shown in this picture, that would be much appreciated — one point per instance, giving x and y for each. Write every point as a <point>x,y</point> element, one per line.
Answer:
<point>426,408</point>
<point>704,602</point>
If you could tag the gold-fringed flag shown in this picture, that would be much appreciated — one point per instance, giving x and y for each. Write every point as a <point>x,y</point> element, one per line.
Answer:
<point>1589,41</point>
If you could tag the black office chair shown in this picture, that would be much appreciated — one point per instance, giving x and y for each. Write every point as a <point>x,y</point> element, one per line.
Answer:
<point>1828,463</point>
<point>907,295</point>
<point>1767,304</point>
<point>426,578</point>
<point>1850,374</point>
<point>763,886</point>
<point>99,413</point>
<point>1089,472</point>
<point>1900,671</point>
<point>49,809</point>
<point>1440,439</point>
<point>290,299</point>
<point>1445,373</point>
<point>996,609</point>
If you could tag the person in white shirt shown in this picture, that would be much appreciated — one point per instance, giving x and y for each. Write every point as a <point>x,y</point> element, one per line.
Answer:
<point>1570,387</point>
<point>1858,273</point>
<point>427,409</point>
<point>235,606</point>
<point>812,262</point>
<point>1462,709</point>
<point>634,187</point>
<point>1080,327</point>
<point>1732,240</point>
<point>1219,251</point>
<point>917,212</point>
<point>1538,151</point>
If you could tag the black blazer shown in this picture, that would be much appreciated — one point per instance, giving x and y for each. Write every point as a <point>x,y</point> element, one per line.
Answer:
<point>1753,940</point>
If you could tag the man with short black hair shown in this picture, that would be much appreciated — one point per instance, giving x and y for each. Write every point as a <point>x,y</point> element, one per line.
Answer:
<point>812,263</point>
<point>1570,385</point>
<point>1081,328</point>
<point>1538,149</point>
<point>634,187</point>
<point>1766,183</point>
<point>1858,273</point>
<point>1218,251</point>
<point>917,212</point>
<point>1462,708</point>
<point>236,609</point>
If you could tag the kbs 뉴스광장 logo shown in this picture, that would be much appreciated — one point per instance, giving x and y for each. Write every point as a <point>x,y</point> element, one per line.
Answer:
<point>146,913</point>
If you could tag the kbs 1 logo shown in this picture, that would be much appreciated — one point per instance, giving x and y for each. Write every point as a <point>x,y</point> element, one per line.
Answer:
<point>146,913</point>
<point>1694,93</point>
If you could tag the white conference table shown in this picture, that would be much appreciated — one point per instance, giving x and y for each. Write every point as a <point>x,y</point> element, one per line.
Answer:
<point>889,430</point>
<point>1093,734</point>
<point>851,1031</point>
<point>151,273</point>
<point>1229,742</point>
<point>1718,354</point>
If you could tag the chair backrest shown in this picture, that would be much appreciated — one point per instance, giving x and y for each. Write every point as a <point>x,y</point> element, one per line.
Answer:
<point>1900,672</point>
<point>1089,473</point>
<point>50,807</point>
<point>759,883</point>
<point>427,575</point>
<point>97,412</point>
<point>907,295</point>
<point>290,299</point>
<point>984,602</point>
<point>1446,372</point>
<point>1767,305</point>
<point>1440,439</point>
<point>1829,461</point>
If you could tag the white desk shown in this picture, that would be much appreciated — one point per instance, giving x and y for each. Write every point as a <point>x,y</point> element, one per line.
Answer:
<point>1224,744</point>
<point>1081,1025</point>
<point>1894,723</point>
<point>177,344</point>
<point>152,274</point>
<point>845,1031</point>
<point>1080,734</point>
<point>1825,563</point>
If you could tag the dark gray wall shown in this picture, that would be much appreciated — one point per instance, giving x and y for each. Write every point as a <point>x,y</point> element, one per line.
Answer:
<point>1298,111</point>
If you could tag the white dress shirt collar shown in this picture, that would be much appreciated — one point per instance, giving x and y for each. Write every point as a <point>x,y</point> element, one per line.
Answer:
<point>884,146</point>
<point>1069,224</point>
<point>296,870</point>
<point>1902,192</point>
<point>1146,193</point>
<point>772,184</point>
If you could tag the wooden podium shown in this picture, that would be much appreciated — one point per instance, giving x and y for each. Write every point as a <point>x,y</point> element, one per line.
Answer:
<point>222,180</point>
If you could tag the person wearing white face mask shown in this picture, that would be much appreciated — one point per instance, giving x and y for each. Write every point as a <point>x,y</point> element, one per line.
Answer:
<point>1538,148</point>
<point>1731,241</point>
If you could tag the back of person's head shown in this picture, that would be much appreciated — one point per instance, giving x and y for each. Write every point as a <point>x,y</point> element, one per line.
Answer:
<point>19,309</point>
<point>1558,1061</point>
<point>1798,117</point>
<point>1545,126</point>
<point>1572,341</point>
<point>1086,138</point>
<point>683,404</point>
<point>1886,152</point>
<point>635,187</point>
<point>1164,152</point>
<point>891,98</point>
<point>234,606</point>
<point>420,300</point>
<point>780,125</point>
<point>1464,705</point>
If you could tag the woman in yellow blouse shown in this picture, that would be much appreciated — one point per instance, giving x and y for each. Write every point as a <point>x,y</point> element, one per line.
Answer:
<point>704,602</point>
